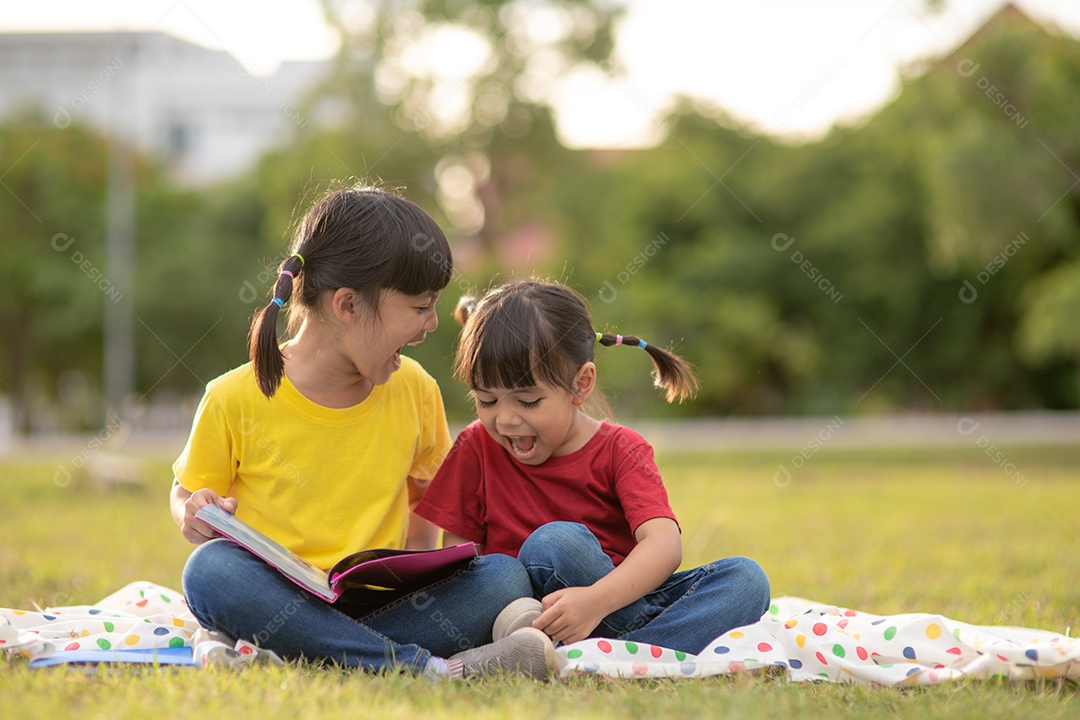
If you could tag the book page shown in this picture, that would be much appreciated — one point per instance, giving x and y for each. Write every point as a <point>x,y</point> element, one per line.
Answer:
<point>289,563</point>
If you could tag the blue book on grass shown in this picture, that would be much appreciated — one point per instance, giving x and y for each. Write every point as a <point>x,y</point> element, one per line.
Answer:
<point>150,656</point>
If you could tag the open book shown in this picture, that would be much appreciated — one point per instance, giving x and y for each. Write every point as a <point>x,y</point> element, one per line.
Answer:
<point>379,567</point>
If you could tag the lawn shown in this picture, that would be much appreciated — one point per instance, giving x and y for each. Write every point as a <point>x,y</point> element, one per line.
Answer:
<point>986,539</point>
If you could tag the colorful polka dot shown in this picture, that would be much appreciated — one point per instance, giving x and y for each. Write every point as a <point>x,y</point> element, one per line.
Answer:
<point>736,634</point>
<point>104,644</point>
<point>573,654</point>
<point>721,649</point>
<point>820,629</point>
<point>131,640</point>
<point>821,658</point>
<point>764,647</point>
<point>861,652</point>
<point>680,655</point>
<point>176,642</point>
<point>933,631</point>
<point>656,651</point>
<point>800,640</point>
<point>603,646</point>
<point>838,651</point>
<point>631,648</point>
<point>795,664</point>
<point>890,632</point>
<point>909,652</point>
<point>640,668</point>
<point>161,631</point>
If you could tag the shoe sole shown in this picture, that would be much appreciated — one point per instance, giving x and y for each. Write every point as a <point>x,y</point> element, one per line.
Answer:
<point>515,616</point>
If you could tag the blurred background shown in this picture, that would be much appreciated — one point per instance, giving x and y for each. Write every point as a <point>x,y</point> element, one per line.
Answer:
<point>838,208</point>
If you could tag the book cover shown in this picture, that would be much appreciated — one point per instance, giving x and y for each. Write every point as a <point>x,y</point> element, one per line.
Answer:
<point>378,567</point>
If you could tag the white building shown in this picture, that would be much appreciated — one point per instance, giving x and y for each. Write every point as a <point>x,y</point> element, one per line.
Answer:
<point>208,114</point>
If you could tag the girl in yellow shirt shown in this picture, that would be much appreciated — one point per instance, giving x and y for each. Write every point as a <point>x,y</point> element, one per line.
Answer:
<point>326,442</point>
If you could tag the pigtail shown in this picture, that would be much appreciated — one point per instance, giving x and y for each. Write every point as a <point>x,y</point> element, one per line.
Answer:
<point>266,357</point>
<point>671,372</point>
<point>464,309</point>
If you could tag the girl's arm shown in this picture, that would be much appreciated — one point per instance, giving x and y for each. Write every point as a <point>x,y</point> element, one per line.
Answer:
<point>573,613</point>
<point>423,534</point>
<point>184,504</point>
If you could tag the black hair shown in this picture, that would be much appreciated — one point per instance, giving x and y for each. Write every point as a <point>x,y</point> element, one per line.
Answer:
<point>529,331</point>
<point>363,238</point>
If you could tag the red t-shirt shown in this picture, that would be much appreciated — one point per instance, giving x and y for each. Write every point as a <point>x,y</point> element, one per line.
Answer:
<point>483,494</point>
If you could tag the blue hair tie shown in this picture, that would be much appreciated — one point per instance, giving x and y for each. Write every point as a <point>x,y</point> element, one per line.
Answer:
<point>278,301</point>
<point>642,344</point>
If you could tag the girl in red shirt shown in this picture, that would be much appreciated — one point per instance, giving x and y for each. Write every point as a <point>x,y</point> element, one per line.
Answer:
<point>578,501</point>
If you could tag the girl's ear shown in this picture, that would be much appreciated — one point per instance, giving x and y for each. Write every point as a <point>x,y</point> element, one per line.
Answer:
<point>584,383</point>
<point>343,304</point>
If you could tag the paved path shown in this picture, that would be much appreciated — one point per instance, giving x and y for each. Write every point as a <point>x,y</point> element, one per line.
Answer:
<point>1035,428</point>
<point>939,430</point>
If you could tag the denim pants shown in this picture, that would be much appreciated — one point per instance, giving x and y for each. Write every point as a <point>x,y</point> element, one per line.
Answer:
<point>229,589</point>
<point>690,610</point>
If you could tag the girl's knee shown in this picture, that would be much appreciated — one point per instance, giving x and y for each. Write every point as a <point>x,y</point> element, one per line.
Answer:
<point>505,574</point>
<point>551,539</point>
<point>752,577</point>
<point>207,570</point>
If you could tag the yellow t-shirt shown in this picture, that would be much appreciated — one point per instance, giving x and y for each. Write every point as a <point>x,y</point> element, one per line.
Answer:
<point>324,482</point>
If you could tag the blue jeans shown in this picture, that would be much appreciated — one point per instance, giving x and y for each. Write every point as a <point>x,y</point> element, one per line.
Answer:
<point>690,610</point>
<point>231,590</point>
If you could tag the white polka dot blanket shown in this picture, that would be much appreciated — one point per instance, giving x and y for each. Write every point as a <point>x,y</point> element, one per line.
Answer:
<point>143,622</point>
<point>812,641</point>
<point>151,621</point>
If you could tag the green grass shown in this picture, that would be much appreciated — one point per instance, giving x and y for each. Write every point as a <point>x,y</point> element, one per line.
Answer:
<point>951,531</point>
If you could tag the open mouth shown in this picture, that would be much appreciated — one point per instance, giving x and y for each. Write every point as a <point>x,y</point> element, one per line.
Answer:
<point>524,447</point>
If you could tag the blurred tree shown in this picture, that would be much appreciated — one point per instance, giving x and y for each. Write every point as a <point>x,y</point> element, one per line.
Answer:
<point>1048,331</point>
<point>51,302</point>
<point>831,277</point>
<point>476,81</point>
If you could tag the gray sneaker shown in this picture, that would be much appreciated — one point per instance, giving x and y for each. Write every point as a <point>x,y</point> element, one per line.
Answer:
<point>518,614</point>
<point>527,652</point>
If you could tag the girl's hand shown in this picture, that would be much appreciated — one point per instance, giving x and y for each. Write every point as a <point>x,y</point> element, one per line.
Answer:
<point>571,614</point>
<point>196,531</point>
